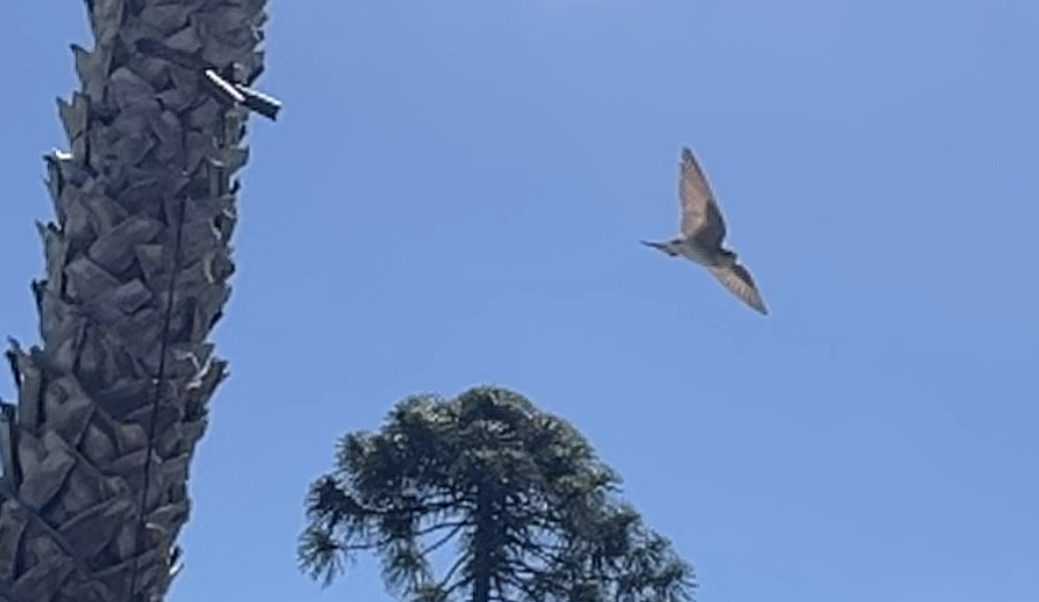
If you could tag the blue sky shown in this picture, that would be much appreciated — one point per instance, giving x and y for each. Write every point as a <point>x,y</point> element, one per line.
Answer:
<point>454,196</point>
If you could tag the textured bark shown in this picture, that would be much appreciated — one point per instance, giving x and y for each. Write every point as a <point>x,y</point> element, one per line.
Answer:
<point>95,453</point>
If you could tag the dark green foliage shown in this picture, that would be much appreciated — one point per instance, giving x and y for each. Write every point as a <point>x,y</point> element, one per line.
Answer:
<point>520,493</point>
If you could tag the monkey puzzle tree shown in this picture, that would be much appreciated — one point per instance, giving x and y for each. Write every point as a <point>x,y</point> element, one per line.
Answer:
<point>94,456</point>
<point>520,493</point>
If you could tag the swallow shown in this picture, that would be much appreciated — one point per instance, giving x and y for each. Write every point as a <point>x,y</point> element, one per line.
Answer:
<point>703,230</point>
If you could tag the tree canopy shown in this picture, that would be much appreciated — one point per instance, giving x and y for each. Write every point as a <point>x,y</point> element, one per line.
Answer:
<point>531,511</point>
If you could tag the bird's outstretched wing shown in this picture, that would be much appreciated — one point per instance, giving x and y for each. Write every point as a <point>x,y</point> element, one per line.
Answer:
<point>700,215</point>
<point>737,279</point>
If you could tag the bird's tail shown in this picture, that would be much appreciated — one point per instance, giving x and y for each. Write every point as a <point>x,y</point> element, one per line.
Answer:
<point>660,246</point>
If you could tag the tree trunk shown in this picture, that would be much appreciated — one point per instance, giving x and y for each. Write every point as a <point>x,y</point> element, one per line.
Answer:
<point>489,539</point>
<point>483,545</point>
<point>95,453</point>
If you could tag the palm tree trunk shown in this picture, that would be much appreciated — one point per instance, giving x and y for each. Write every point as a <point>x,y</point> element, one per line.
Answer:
<point>95,453</point>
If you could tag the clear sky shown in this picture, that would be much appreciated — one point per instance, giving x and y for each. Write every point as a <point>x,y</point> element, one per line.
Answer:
<point>454,195</point>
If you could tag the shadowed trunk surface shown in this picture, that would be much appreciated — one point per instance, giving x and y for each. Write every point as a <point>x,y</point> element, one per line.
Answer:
<point>95,452</point>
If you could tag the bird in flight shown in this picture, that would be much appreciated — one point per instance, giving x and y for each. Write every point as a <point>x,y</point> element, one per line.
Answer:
<point>703,230</point>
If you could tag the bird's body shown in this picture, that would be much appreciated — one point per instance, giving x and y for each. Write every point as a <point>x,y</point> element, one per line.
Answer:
<point>703,230</point>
